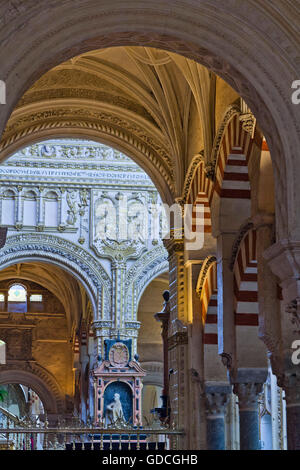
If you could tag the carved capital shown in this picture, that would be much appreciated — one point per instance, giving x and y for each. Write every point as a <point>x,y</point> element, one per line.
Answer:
<point>216,402</point>
<point>248,122</point>
<point>247,394</point>
<point>174,246</point>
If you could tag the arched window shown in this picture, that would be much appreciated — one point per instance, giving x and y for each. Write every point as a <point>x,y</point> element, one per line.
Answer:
<point>17,298</point>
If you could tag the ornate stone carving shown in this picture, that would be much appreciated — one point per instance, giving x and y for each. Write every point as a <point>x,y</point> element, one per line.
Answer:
<point>179,338</point>
<point>216,403</point>
<point>173,246</point>
<point>104,123</point>
<point>247,394</point>
<point>248,122</point>
<point>210,171</point>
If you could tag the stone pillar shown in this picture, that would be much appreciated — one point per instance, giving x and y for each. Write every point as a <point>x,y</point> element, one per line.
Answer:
<point>178,340</point>
<point>284,261</point>
<point>163,317</point>
<point>247,385</point>
<point>226,327</point>
<point>248,411</point>
<point>216,400</point>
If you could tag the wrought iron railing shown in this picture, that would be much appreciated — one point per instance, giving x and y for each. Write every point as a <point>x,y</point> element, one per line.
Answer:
<point>38,436</point>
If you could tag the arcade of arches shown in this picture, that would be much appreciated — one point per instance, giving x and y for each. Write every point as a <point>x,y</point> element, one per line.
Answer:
<point>186,104</point>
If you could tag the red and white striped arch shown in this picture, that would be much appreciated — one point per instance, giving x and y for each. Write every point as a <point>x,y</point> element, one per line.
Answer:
<point>232,179</point>
<point>245,282</point>
<point>209,305</point>
<point>197,195</point>
<point>231,174</point>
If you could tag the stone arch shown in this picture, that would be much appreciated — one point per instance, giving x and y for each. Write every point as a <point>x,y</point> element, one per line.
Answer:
<point>62,253</point>
<point>187,29</point>
<point>98,126</point>
<point>147,268</point>
<point>245,281</point>
<point>249,348</point>
<point>207,289</point>
<point>40,380</point>
<point>197,188</point>
<point>231,192</point>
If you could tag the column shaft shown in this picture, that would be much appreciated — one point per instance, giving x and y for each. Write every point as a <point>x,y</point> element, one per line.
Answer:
<point>216,401</point>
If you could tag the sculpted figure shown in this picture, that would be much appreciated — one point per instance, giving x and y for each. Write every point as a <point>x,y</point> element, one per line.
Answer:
<point>114,410</point>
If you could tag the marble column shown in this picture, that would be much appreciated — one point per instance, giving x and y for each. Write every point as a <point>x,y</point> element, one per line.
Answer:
<point>216,400</point>
<point>248,413</point>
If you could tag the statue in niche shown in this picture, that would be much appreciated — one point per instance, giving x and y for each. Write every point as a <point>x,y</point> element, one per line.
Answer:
<point>114,410</point>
